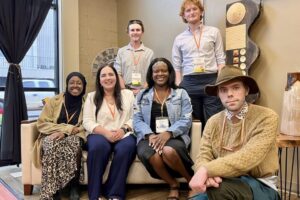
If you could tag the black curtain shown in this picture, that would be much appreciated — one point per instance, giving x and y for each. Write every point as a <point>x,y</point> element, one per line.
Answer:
<point>20,22</point>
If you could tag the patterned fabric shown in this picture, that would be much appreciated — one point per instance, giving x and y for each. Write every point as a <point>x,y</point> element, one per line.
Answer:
<point>59,163</point>
<point>240,115</point>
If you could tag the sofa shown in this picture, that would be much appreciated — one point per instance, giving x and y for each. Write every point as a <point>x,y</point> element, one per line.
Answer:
<point>137,174</point>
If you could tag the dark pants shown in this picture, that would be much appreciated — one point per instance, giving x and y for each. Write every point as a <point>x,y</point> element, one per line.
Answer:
<point>245,188</point>
<point>204,106</point>
<point>99,152</point>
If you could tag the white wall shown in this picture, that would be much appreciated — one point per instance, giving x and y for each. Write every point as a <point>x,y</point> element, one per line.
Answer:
<point>161,21</point>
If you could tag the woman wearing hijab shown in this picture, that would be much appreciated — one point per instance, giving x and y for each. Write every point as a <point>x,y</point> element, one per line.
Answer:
<point>61,138</point>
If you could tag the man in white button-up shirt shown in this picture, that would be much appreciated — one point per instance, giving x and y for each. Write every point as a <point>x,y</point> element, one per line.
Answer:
<point>197,56</point>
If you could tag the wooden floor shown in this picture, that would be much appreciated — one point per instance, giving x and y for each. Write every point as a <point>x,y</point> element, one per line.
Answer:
<point>134,192</point>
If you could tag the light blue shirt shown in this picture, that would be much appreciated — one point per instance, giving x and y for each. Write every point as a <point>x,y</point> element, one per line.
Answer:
<point>185,50</point>
<point>179,112</point>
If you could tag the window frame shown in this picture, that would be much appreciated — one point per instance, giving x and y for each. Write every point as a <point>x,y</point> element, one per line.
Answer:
<point>56,87</point>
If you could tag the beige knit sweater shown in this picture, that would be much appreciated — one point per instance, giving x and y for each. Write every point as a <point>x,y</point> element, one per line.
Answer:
<point>258,155</point>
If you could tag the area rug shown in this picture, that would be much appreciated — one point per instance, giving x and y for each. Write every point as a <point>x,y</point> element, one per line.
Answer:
<point>7,193</point>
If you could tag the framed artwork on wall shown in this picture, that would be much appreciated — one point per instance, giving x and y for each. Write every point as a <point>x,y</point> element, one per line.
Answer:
<point>241,50</point>
<point>105,56</point>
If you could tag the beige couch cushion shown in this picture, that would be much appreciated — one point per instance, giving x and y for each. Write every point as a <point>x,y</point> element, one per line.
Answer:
<point>137,173</point>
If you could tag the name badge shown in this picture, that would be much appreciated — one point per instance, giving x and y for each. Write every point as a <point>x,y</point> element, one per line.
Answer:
<point>199,65</point>
<point>136,79</point>
<point>162,124</point>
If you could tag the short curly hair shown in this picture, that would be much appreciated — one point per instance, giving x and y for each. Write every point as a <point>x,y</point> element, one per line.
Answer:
<point>195,2</point>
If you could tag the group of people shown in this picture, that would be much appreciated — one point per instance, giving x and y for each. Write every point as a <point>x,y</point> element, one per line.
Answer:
<point>144,106</point>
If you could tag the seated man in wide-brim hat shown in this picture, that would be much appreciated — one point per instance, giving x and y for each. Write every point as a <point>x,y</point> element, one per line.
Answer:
<point>238,157</point>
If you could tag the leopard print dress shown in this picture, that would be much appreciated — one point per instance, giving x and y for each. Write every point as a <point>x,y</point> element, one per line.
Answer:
<point>59,164</point>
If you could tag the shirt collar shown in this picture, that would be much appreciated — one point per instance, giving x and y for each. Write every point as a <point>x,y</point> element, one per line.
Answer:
<point>141,48</point>
<point>199,27</point>
<point>240,115</point>
<point>171,95</point>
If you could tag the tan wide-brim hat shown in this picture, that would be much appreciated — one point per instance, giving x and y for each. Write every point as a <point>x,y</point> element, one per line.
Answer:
<point>229,73</point>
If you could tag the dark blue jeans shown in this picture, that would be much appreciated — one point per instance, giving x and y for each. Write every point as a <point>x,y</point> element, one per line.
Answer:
<point>204,106</point>
<point>99,152</point>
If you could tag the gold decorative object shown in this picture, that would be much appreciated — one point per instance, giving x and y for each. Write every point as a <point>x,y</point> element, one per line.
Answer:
<point>236,13</point>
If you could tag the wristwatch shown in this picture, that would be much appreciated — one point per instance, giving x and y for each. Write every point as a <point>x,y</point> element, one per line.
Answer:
<point>125,129</point>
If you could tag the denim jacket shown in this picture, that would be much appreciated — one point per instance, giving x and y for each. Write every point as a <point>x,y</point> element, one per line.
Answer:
<point>179,111</point>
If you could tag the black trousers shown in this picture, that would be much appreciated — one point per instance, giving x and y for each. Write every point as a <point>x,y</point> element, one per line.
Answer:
<point>204,106</point>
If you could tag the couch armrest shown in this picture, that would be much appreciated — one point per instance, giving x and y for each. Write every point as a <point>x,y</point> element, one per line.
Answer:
<point>195,139</point>
<point>29,134</point>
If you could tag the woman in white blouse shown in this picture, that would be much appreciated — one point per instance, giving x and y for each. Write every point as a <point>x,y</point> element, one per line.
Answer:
<point>107,117</point>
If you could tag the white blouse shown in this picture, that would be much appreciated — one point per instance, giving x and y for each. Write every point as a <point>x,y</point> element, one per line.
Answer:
<point>104,117</point>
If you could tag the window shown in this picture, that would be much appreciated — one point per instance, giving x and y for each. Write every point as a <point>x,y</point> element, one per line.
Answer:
<point>39,66</point>
<point>28,84</point>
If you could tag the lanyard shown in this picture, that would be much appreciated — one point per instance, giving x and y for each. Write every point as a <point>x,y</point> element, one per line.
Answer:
<point>112,111</point>
<point>236,147</point>
<point>134,59</point>
<point>161,102</point>
<point>67,114</point>
<point>200,36</point>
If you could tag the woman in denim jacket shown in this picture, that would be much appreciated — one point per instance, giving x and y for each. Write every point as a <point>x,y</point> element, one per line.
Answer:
<point>162,121</point>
